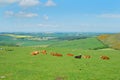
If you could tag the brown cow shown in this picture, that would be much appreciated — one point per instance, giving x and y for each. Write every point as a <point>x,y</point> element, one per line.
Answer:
<point>104,57</point>
<point>44,52</point>
<point>86,56</point>
<point>56,54</point>
<point>69,54</point>
<point>35,53</point>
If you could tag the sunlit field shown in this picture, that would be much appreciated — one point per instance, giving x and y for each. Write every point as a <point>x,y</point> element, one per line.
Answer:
<point>17,63</point>
<point>59,40</point>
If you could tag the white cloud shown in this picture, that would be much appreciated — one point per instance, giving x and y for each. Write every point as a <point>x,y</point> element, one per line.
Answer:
<point>45,17</point>
<point>27,15</point>
<point>109,15</point>
<point>50,3</point>
<point>8,1</point>
<point>22,3</point>
<point>47,25</point>
<point>29,3</point>
<point>20,14</point>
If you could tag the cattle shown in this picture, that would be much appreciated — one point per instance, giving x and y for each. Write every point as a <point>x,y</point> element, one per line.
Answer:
<point>44,52</point>
<point>78,57</point>
<point>104,57</point>
<point>35,53</point>
<point>86,56</point>
<point>69,54</point>
<point>56,54</point>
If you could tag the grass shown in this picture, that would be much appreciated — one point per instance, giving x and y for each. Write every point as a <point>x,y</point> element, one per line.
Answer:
<point>111,40</point>
<point>89,43</point>
<point>19,64</point>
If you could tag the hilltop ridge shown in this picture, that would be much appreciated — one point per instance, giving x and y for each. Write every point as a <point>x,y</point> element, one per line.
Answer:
<point>111,40</point>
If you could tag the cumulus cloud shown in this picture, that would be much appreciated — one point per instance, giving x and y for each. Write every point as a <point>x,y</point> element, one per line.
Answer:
<point>29,3</point>
<point>23,3</point>
<point>8,1</point>
<point>109,15</point>
<point>50,3</point>
<point>24,14</point>
<point>20,14</point>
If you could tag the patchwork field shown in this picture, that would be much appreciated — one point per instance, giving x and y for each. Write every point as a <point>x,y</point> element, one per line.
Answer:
<point>17,63</point>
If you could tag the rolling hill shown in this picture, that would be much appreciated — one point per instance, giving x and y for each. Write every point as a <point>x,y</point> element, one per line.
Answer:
<point>88,43</point>
<point>111,40</point>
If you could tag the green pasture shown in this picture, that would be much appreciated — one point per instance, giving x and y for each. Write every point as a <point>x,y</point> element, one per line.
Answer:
<point>89,43</point>
<point>17,63</point>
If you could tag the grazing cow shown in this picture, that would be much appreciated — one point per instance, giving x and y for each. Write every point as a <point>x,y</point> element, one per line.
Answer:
<point>78,57</point>
<point>35,53</point>
<point>70,54</point>
<point>104,57</point>
<point>86,56</point>
<point>56,54</point>
<point>44,52</point>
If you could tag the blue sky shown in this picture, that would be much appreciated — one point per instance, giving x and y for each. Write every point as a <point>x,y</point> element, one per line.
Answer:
<point>59,15</point>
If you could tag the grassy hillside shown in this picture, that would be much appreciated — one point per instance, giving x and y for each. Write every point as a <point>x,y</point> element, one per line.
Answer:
<point>88,43</point>
<point>19,64</point>
<point>112,40</point>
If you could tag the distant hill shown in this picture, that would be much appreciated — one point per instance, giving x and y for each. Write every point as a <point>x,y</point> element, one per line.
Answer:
<point>36,39</point>
<point>88,43</point>
<point>111,40</point>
